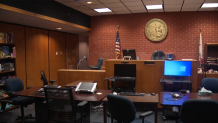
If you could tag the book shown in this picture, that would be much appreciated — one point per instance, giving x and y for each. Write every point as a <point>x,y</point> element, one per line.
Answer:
<point>6,67</point>
<point>11,66</point>
<point>5,49</point>
<point>14,52</point>
<point>2,37</point>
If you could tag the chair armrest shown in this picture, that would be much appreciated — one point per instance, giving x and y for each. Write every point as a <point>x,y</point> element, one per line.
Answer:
<point>6,101</point>
<point>145,114</point>
<point>175,110</point>
<point>28,87</point>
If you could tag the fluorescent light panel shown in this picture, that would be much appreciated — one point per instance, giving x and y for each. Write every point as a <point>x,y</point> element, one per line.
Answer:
<point>209,5</point>
<point>154,7</point>
<point>103,10</point>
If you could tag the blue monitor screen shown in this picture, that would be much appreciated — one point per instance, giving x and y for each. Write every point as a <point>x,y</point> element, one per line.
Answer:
<point>177,68</point>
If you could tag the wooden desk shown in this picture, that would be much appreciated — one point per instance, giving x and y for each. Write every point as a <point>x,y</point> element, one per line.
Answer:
<point>149,101</point>
<point>74,84</point>
<point>40,107</point>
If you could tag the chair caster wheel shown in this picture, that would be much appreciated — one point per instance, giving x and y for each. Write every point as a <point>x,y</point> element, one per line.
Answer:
<point>164,118</point>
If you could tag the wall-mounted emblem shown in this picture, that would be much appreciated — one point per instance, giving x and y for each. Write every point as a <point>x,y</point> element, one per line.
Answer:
<point>156,30</point>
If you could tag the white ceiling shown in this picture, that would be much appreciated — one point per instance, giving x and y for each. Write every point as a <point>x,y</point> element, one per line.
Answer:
<point>136,6</point>
<point>117,7</point>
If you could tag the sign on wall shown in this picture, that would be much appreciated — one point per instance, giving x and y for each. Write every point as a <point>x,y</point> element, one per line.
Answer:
<point>156,30</point>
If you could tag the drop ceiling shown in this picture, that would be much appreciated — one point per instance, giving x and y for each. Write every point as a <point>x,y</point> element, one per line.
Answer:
<point>117,7</point>
<point>136,6</point>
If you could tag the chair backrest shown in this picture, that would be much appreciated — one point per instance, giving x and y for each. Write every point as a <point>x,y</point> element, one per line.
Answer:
<point>99,64</point>
<point>199,111</point>
<point>43,78</point>
<point>60,104</point>
<point>121,108</point>
<point>14,84</point>
<point>158,55</point>
<point>210,84</point>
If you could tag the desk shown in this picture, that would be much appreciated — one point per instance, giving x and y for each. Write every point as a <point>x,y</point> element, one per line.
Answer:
<point>167,100</point>
<point>40,108</point>
<point>148,100</point>
<point>74,84</point>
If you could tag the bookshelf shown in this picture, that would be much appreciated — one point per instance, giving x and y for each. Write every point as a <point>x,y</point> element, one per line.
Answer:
<point>211,55</point>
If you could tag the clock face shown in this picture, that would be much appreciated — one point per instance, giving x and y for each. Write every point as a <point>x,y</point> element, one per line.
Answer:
<point>156,30</point>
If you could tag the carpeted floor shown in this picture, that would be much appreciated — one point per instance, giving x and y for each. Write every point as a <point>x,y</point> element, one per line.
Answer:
<point>97,116</point>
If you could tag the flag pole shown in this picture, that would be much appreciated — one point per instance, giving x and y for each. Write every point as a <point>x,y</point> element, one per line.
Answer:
<point>118,27</point>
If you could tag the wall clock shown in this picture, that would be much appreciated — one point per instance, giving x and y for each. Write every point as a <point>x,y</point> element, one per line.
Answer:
<point>156,30</point>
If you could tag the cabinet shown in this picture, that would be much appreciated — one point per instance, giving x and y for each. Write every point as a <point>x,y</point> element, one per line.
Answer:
<point>211,55</point>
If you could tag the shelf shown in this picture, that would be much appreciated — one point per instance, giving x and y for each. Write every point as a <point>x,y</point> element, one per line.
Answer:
<point>7,71</point>
<point>7,58</point>
<point>211,59</point>
<point>6,44</point>
<point>2,85</point>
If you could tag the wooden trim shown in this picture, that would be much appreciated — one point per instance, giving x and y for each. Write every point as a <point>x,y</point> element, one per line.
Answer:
<point>13,9</point>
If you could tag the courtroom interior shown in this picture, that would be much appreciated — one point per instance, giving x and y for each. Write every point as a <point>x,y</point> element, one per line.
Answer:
<point>150,59</point>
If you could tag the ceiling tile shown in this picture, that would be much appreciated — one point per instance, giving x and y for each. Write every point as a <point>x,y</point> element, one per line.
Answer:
<point>72,4</point>
<point>189,9</point>
<point>155,10</point>
<point>107,13</point>
<point>114,5</point>
<point>193,6</point>
<point>211,1</point>
<point>109,1</point>
<point>137,3</point>
<point>137,8</point>
<point>207,9</point>
<point>62,1</point>
<point>217,9</point>
<point>130,0</point>
<point>119,9</point>
<point>84,2</point>
<point>172,6</point>
<point>173,2</point>
<point>138,11</point>
<point>172,9</point>
<point>152,2</point>
<point>96,6</point>
<point>91,13</point>
<point>123,12</point>
<point>81,8</point>
<point>193,1</point>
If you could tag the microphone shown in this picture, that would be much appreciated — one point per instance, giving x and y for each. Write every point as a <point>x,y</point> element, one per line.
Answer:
<point>81,61</point>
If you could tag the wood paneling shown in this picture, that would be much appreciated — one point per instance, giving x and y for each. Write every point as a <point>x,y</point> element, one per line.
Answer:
<point>56,44</point>
<point>19,41</point>
<point>72,51</point>
<point>69,76</point>
<point>36,55</point>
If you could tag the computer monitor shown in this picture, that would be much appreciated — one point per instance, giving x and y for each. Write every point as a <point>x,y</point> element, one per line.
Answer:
<point>125,70</point>
<point>129,52</point>
<point>177,68</point>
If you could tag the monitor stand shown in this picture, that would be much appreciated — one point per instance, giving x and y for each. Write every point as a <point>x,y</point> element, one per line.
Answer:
<point>127,58</point>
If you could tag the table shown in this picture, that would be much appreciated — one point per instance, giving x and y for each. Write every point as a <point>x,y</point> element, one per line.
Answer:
<point>177,81</point>
<point>147,100</point>
<point>40,107</point>
<point>74,84</point>
<point>167,100</point>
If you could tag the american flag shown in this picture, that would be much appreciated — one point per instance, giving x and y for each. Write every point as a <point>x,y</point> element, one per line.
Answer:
<point>117,46</point>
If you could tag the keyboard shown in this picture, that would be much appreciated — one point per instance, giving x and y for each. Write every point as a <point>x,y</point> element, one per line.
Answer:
<point>131,94</point>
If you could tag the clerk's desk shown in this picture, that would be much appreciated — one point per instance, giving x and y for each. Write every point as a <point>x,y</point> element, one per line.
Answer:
<point>40,107</point>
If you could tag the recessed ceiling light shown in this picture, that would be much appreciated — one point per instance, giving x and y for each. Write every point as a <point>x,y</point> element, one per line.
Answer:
<point>103,10</point>
<point>89,2</point>
<point>154,7</point>
<point>59,28</point>
<point>209,5</point>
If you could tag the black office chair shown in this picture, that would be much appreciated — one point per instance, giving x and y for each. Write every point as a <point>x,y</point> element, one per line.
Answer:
<point>210,84</point>
<point>7,117</point>
<point>158,55</point>
<point>14,85</point>
<point>123,110</point>
<point>44,79</point>
<point>98,66</point>
<point>61,106</point>
<point>198,111</point>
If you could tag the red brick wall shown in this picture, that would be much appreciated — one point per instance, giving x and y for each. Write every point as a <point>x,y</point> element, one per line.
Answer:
<point>182,39</point>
